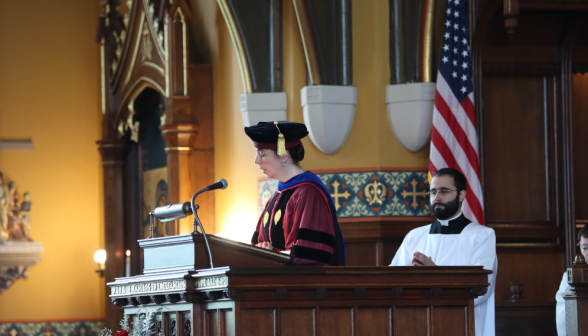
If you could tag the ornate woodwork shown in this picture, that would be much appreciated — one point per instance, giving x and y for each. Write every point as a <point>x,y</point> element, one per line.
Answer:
<point>270,298</point>
<point>527,89</point>
<point>146,49</point>
<point>257,310</point>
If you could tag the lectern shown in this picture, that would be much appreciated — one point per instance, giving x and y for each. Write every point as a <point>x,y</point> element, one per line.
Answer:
<point>252,291</point>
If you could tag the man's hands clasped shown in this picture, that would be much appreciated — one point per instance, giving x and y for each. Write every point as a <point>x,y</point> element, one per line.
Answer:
<point>419,259</point>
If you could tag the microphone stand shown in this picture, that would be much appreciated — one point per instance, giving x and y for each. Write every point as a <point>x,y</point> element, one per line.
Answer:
<point>195,207</point>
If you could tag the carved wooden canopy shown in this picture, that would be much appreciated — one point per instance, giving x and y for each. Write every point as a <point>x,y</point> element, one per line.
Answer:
<point>147,45</point>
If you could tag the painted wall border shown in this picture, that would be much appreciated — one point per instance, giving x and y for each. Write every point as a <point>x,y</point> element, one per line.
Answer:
<point>378,193</point>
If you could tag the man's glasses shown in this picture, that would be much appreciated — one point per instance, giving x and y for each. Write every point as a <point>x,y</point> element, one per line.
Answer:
<point>441,192</point>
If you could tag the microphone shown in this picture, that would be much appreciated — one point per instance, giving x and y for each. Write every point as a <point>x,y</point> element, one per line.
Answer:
<point>221,184</point>
<point>172,212</point>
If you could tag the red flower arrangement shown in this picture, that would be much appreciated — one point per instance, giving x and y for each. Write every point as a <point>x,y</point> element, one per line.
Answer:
<point>122,333</point>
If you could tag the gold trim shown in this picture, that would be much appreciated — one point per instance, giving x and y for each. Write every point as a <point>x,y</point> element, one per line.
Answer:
<point>184,52</point>
<point>110,145</point>
<point>135,52</point>
<point>428,42</point>
<point>149,83</point>
<point>166,42</point>
<point>154,66</point>
<point>130,125</point>
<point>506,245</point>
<point>177,131</point>
<point>217,281</point>
<point>185,49</point>
<point>178,148</point>
<point>111,163</point>
<point>102,76</point>
<point>146,10</point>
<point>238,43</point>
<point>307,42</point>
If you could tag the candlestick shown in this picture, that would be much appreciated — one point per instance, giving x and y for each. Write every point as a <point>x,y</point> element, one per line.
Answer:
<point>128,264</point>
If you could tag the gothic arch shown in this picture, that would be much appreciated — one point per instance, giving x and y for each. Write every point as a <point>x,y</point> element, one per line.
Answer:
<point>146,44</point>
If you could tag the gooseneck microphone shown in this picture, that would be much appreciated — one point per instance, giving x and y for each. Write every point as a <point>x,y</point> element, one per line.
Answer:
<point>171,212</point>
<point>221,184</point>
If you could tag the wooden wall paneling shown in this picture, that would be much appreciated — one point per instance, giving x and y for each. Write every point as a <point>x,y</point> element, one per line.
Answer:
<point>197,320</point>
<point>444,318</point>
<point>297,321</point>
<point>539,271</point>
<point>517,177</point>
<point>373,321</point>
<point>179,141</point>
<point>574,26</point>
<point>133,228</point>
<point>481,24</point>
<point>202,157</point>
<point>580,143</point>
<point>374,242</point>
<point>361,254</point>
<point>330,321</point>
<point>260,322</point>
<point>416,316</point>
<point>525,319</point>
<point>112,153</point>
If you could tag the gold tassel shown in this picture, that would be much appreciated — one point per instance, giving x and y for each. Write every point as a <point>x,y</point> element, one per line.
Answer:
<point>281,141</point>
<point>281,145</point>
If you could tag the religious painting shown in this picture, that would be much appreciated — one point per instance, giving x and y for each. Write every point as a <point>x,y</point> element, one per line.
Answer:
<point>155,194</point>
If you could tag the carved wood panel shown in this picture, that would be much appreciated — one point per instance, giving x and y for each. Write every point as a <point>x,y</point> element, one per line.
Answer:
<point>580,125</point>
<point>518,158</point>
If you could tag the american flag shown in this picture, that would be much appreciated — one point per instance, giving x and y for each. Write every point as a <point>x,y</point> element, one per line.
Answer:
<point>454,139</point>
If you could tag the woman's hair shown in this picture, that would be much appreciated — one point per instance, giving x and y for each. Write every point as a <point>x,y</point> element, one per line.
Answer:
<point>296,153</point>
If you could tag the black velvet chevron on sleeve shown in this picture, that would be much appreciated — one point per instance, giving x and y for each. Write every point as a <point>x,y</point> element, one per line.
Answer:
<point>312,254</point>
<point>254,237</point>
<point>316,237</point>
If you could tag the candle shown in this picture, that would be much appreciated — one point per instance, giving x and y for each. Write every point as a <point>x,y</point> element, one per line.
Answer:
<point>128,264</point>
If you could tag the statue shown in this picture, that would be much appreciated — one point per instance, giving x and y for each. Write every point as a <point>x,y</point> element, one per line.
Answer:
<point>15,218</point>
<point>3,209</point>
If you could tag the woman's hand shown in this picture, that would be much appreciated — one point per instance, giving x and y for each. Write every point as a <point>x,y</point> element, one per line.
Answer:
<point>265,245</point>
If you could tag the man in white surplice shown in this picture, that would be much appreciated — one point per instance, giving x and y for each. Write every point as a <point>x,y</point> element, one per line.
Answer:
<point>453,240</point>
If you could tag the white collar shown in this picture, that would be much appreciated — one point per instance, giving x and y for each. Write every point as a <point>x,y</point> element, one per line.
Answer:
<point>445,222</point>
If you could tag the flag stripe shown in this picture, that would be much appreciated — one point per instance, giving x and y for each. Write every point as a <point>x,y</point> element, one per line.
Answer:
<point>454,136</point>
<point>458,132</point>
<point>463,116</point>
<point>450,161</point>
<point>451,148</point>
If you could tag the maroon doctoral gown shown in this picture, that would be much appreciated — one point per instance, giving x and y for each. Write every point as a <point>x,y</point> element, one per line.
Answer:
<point>300,219</point>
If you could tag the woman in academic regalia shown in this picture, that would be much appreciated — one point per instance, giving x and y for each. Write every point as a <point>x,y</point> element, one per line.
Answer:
<point>300,216</point>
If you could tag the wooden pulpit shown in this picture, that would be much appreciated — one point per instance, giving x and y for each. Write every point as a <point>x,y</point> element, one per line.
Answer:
<point>577,301</point>
<point>251,291</point>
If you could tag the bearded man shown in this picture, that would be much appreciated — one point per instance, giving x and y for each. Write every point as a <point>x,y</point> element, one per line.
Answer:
<point>453,240</point>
